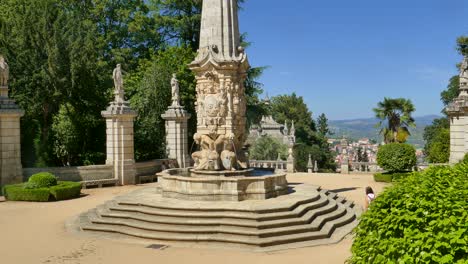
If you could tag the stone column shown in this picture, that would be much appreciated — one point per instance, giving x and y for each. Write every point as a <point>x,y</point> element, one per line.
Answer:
<point>457,137</point>
<point>177,135</point>
<point>290,167</point>
<point>345,158</point>
<point>10,148</point>
<point>310,165</point>
<point>120,148</point>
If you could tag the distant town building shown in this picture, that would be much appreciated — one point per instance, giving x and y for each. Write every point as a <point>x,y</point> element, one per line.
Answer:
<point>269,127</point>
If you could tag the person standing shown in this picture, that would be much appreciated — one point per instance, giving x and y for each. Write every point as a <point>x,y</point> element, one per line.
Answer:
<point>370,196</point>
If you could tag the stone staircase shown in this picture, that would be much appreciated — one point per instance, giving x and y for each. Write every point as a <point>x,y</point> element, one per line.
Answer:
<point>309,216</point>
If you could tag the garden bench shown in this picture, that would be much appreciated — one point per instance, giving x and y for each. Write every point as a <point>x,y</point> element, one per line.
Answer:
<point>99,183</point>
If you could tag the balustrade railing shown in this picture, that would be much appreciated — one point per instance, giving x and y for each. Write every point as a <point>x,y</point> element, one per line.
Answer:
<point>269,164</point>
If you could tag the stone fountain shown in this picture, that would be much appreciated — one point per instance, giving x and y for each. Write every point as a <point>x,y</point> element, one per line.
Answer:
<point>221,201</point>
<point>221,169</point>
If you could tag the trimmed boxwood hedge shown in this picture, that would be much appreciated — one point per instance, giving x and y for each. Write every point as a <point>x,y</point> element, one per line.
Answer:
<point>66,190</point>
<point>389,177</point>
<point>61,191</point>
<point>42,187</point>
<point>42,180</point>
<point>17,192</point>
<point>422,218</point>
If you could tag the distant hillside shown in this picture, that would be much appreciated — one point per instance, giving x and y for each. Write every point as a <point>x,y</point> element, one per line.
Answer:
<point>365,128</point>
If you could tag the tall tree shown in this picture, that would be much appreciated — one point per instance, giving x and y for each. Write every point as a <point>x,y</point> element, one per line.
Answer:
<point>322,125</point>
<point>293,108</point>
<point>395,119</point>
<point>437,137</point>
<point>287,108</point>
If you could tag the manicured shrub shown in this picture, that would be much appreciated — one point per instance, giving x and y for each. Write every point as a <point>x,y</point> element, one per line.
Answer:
<point>17,192</point>
<point>66,190</point>
<point>41,180</point>
<point>383,177</point>
<point>396,157</point>
<point>42,187</point>
<point>389,177</point>
<point>423,218</point>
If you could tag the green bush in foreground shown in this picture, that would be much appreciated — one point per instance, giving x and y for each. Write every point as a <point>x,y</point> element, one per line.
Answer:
<point>42,180</point>
<point>421,219</point>
<point>396,157</point>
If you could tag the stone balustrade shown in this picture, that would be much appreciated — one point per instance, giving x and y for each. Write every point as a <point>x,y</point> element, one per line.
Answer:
<point>271,164</point>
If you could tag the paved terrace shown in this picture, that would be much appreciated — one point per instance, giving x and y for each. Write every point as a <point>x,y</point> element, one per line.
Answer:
<point>36,233</point>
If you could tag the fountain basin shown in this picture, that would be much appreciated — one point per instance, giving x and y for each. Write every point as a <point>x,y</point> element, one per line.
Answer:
<point>241,185</point>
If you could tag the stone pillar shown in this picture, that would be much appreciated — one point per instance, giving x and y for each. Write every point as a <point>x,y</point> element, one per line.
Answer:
<point>345,165</point>
<point>177,135</point>
<point>345,158</point>
<point>310,165</point>
<point>457,138</point>
<point>120,149</point>
<point>10,148</point>
<point>290,167</point>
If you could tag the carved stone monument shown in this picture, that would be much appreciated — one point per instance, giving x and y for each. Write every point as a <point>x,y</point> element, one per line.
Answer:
<point>119,123</point>
<point>458,114</point>
<point>10,147</point>
<point>220,69</point>
<point>176,128</point>
<point>203,205</point>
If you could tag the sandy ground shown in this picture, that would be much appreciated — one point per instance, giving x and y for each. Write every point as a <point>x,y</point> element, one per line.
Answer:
<point>33,233</point>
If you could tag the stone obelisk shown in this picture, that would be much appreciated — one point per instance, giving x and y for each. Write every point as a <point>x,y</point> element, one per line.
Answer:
<point>220,69</point>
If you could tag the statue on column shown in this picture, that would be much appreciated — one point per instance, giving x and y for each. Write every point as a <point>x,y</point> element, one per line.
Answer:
<point>118,84</point>
<point>4,72</point>
<point>464,71</point>
<point>175,91</point>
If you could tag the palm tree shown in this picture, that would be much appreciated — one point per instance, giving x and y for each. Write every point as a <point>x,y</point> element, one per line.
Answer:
<point>395,119</point>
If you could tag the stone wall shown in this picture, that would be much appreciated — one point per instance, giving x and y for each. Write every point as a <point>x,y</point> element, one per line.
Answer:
<point>82,173</point>
<point>100,172</point>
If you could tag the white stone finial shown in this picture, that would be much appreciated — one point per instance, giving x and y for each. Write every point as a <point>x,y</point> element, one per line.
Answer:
<point>175,91</point>
<point>293,129</point>
<point>117,75</point>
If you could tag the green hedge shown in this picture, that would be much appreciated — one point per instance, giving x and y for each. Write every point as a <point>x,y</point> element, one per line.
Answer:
<point>17,192</point>
<point>66,190</point>
<point>62,191</point>
<point>389,177</point>
<point>423,218</point>
<point>396,157</point>
<point>42,180</point>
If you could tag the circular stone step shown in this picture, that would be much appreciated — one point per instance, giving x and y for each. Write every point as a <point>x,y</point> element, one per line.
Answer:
<point>307,216</point>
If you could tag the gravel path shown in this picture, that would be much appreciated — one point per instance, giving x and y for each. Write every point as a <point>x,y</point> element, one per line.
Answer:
<point>33,233</point>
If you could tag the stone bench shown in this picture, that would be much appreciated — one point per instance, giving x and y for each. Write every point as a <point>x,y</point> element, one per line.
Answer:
<point>99,183</point>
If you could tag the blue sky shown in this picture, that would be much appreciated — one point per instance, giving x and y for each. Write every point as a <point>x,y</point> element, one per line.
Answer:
<point>344,56</point>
